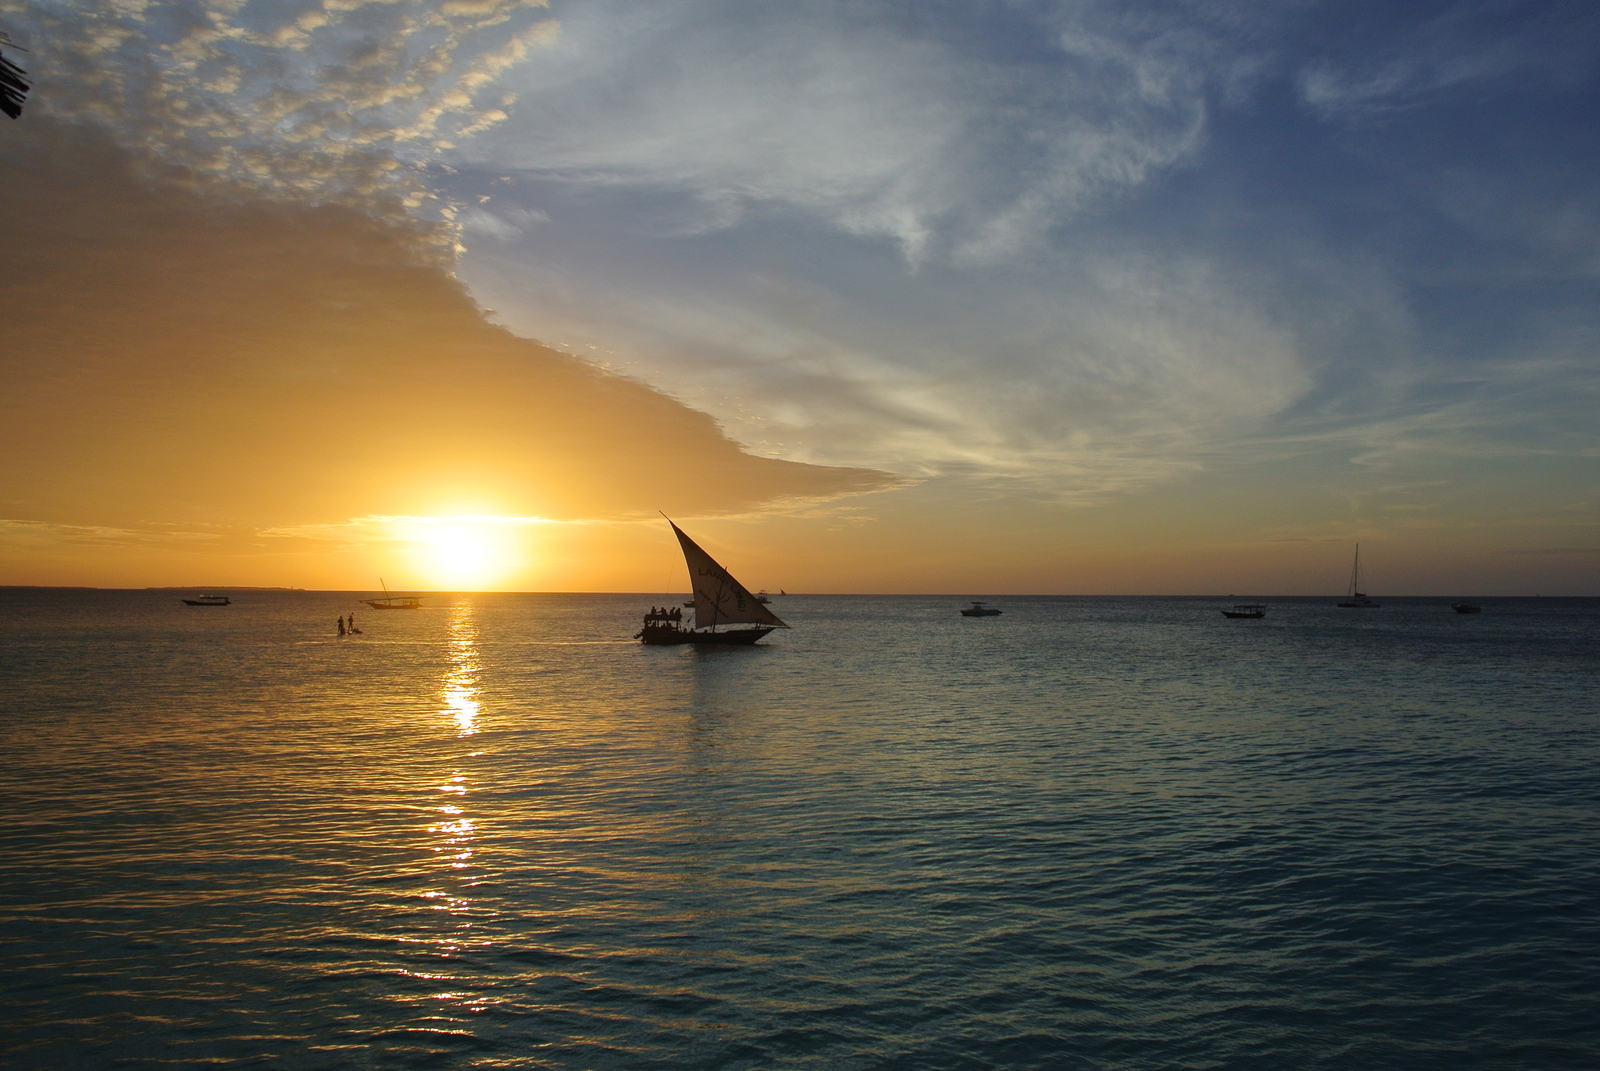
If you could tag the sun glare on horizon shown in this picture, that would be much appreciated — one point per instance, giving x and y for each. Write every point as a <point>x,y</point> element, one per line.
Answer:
<point>471,553</point>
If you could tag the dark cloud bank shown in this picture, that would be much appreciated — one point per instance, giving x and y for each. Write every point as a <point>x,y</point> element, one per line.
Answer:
<point>181,352</point>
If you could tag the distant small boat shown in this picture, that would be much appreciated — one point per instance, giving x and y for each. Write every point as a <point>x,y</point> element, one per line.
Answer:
<point>1466,608</point>
<point>209,600</point>
<point>761,596</point>
<point>394,602</point>
<point>1247,609</point>
<point>719,600</point>
<point>978,609</point>
<point>1356,600</point>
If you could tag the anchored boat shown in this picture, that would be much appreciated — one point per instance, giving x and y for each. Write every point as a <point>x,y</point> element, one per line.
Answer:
<point>1356,600</point>
<point>1247,609</point>
<point>719,601</point>
<point>394,602</point>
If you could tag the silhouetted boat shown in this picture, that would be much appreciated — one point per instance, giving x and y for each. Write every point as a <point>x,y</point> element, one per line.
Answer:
<point>1247,609</point>
<point>394,602</point>
<point>719,600</point>
<point>1356,600</point>
<point>978,609</point>
<point>209,600</point>
<point>1466,608</point>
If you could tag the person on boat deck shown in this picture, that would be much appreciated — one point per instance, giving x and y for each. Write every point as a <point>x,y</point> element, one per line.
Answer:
<point>677,613</point>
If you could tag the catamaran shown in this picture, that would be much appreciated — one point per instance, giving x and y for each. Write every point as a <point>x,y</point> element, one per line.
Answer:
<point>1356,600</point>
<point>719,601</point>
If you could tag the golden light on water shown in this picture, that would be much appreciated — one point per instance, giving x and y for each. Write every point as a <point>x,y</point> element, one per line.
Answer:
<point>461,686</point>
<point>460,697</point>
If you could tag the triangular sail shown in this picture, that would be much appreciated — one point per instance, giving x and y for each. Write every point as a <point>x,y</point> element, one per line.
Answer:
<point>719,599</point>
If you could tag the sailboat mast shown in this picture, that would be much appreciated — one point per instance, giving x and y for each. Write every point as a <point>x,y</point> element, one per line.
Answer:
<point>1355,573</point>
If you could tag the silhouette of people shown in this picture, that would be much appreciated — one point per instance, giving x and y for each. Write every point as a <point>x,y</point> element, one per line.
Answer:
<point>341,626</point>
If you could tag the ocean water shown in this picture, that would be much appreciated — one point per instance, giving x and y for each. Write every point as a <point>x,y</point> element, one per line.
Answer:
<point>1090,833</point>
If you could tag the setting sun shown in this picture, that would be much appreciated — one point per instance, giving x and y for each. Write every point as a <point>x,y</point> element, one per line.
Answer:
<point>464,553</point>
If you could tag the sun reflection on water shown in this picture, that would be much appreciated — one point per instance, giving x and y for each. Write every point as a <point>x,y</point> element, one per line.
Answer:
<point>453,834</point>
<point>460,687</point>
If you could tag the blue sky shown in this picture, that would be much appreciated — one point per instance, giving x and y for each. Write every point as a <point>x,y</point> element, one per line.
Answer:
<point>1087,242</point>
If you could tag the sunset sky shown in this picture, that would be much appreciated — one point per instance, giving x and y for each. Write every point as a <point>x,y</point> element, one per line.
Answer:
<point>1054,297</point>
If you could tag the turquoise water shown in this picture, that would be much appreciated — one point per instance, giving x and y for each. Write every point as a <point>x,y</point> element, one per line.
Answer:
<point>1091,833</point>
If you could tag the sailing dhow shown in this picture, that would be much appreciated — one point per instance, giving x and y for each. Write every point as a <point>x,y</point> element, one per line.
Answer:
<point>719,601</point>
<point>394,602</point>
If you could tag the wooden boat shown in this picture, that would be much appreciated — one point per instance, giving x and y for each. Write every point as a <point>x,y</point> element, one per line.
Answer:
<point>209,600</point>
<point>978,609</point>
<point>1247,609</point>
<point>719,601</point>
<point>1355,600</point>
<point>394,602</point>
<point>1466,608</point>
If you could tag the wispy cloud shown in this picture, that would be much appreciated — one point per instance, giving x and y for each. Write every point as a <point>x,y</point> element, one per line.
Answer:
<point>1407,60</point>
<point>326,101</point>
<point>931,137</point>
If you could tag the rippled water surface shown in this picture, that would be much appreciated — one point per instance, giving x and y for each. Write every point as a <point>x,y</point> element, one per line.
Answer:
<point>1090,833</point>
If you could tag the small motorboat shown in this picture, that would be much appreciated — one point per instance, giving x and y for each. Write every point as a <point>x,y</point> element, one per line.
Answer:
<point>209,600</point>
<point>978,609</point>
<point>1247,609</point>
<point>1466,608</point>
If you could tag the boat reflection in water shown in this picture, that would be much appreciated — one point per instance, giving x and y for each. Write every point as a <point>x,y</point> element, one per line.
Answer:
<point>719,601</point>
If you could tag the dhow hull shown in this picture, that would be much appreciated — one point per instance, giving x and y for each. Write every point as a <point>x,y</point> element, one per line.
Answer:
<point>734,636</point>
